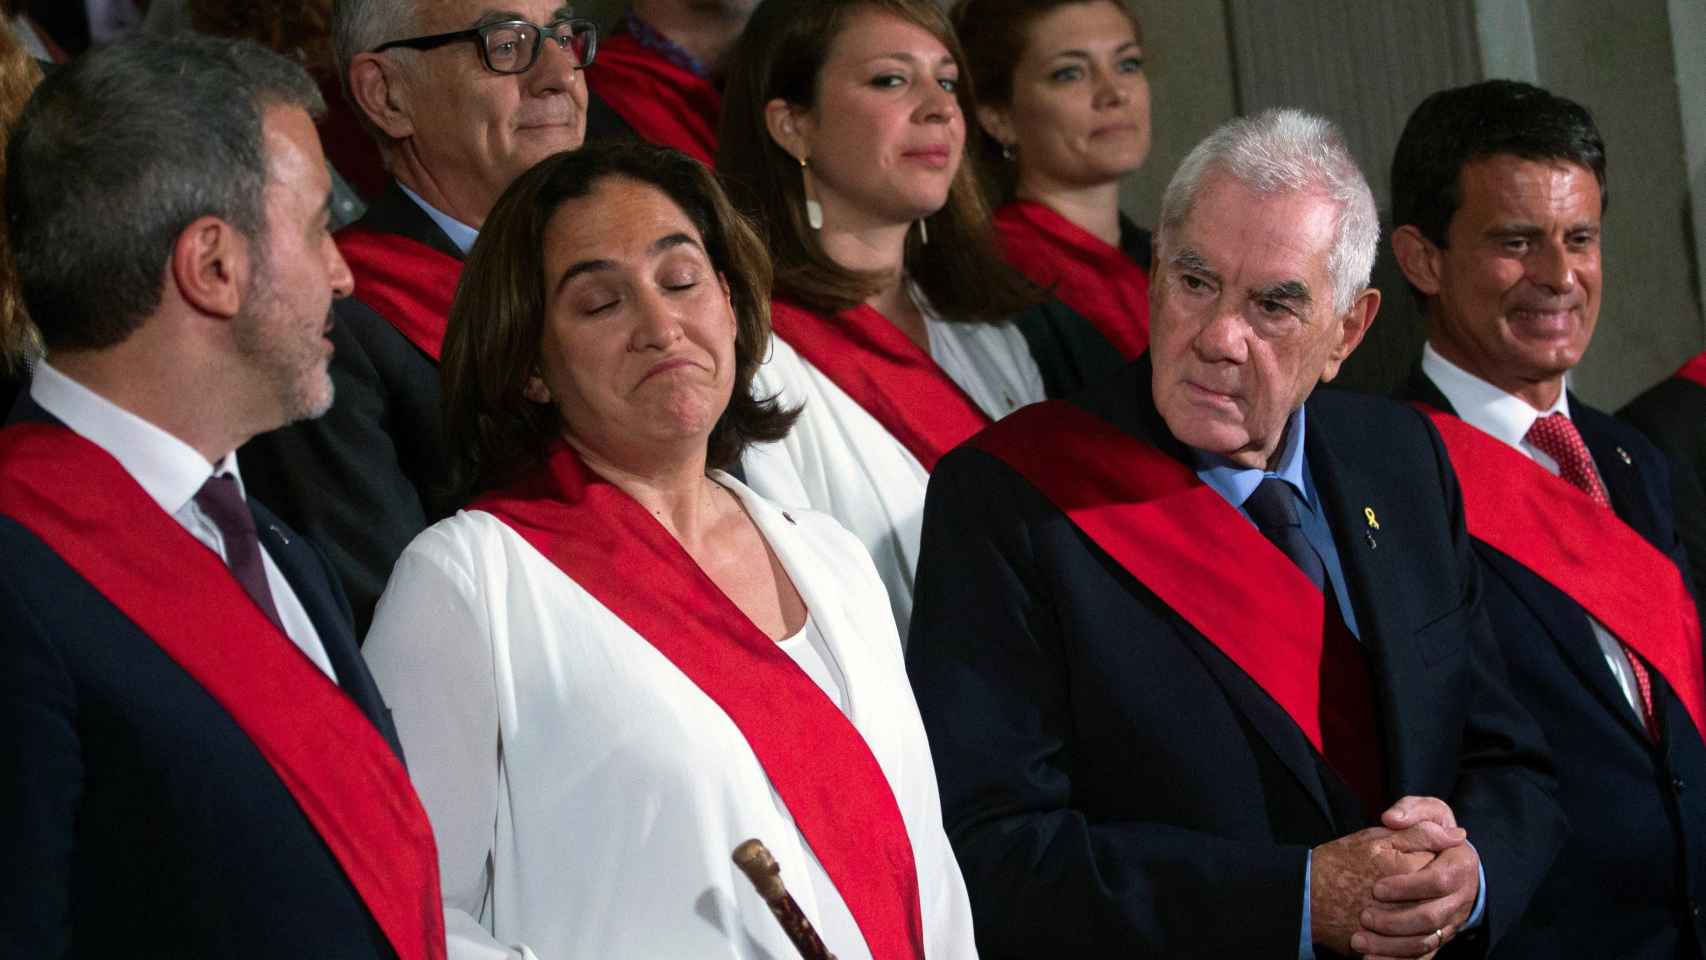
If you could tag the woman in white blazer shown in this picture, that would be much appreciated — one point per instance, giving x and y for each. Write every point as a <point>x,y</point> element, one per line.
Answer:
<point>619,662</point>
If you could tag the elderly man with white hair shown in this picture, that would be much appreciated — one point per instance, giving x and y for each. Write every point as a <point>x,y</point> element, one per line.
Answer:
<point>461,100</point>
<point>1200,652</point>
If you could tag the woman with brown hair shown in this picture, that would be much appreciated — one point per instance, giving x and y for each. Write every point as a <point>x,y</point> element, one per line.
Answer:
<point>618,663</point>
<point>1063,104</point>
<point>899,332</point>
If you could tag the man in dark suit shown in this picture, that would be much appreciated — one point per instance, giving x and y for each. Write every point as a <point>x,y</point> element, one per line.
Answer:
<point>1202,663</point>
<point>1672,414</point>
<point>455,126</point>
<point>198,763</point>
<point>1498,189</point>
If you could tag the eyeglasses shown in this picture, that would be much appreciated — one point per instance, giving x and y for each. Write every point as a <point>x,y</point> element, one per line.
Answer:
<point>511,46</point>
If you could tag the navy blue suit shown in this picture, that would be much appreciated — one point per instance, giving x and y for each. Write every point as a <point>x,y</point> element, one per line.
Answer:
<point>144,822</point>
<point>1631,878</point>
<point>1115,786</point>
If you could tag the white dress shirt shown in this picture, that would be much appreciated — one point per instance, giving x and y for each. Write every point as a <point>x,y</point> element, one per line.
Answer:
<point>1508,419</point>
<point>171,471</point>
<point>586,795</point>
<point>840,460</point>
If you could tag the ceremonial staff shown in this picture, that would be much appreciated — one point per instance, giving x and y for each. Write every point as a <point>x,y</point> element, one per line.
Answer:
<point>754,859</point>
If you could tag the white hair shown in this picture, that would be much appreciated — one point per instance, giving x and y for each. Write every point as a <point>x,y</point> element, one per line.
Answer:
<point>1287,151</point>
<point>360,25</point>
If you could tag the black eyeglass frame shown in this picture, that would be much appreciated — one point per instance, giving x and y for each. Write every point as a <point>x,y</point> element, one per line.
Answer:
<point>578,26</point>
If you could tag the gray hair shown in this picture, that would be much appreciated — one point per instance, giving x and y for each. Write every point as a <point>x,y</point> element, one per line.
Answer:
<point>1287,151</point>
<point>360,25</point>
<point>117,153</point>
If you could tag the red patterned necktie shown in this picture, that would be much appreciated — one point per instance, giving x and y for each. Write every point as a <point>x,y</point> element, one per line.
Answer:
<point>1557,437</point>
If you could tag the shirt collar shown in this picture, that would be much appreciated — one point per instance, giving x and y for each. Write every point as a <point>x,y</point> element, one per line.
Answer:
<point>1482,405</point>
<point>170,470</point>
<point>1235,483</point>
<point>648,36</point>
<point>459,233</point>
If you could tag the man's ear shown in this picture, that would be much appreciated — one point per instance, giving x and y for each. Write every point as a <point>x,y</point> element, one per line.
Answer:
<point>997,122</point>
<point>1419,258</point>
<point>210,266</point>
<point>1352,329</point>
<point>377,86</point>
<point>788,127</point>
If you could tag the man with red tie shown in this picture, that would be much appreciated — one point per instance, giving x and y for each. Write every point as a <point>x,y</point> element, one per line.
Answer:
<point>1498,190</point>
<point>461,99</point>
<point>1200,652</point>
<point>197,763</point>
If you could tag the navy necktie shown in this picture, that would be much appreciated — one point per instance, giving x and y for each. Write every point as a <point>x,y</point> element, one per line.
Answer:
<point>223,504</point>
<point>1273,505</point>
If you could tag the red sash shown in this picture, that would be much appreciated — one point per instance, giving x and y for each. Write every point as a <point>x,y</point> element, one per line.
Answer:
<point>1153,516</point>
<point>886,374</point>
<point>405,281</point>
<point>825,773</point>
<point>341,772</point>
<point>1098,281</point>
<point>1694,370</point>
<point>1520,509</point>
<point>665,104</point>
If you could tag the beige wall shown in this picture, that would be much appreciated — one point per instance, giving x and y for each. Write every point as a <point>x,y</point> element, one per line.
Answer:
<point>1367,64</point>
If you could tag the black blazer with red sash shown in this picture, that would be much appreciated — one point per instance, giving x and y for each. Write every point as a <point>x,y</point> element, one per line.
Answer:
<point>1631,879</point>
<point>145,823</point>
<point>1673,415</point>
<point>1115,786</point>
<point>362,480</point>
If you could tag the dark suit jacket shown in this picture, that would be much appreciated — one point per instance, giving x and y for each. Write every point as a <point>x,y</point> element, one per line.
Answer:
<point>362,480</point>
<point>1632,875</point>
<point>1673,416</point>
<point>145,823</point>
<point>1115,786</point>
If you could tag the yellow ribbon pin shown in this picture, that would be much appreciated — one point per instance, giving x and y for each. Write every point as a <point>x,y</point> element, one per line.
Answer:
<point>1369,513</point>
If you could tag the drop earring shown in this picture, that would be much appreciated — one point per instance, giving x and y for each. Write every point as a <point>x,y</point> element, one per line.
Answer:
<point>814,210</point>
<point>923,231</point>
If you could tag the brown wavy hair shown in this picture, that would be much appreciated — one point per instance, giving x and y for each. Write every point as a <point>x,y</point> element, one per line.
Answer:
<point>491,347</point>
<point>19,74</point>
<point>299,29</point>
<point>995,33</point>
<point>779,55</point>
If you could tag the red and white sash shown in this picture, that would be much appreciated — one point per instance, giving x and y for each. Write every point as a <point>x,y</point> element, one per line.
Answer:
<point>1098,281</point>
<point>1183,541</point>
<point>336,764</point>
<point>405,281</point>
<point>816,759</point>
<point>665,104</point>
<point>885,373</point>
<point>1520,509</point>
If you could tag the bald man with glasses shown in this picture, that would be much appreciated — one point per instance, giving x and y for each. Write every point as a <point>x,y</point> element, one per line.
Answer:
<point>461,98</point>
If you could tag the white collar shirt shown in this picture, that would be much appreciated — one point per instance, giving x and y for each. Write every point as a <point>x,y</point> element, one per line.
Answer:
<point>1508,418</point>
<point>171,472</point>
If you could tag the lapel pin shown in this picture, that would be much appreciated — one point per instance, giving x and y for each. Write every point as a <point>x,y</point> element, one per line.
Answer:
<point>1373,525</point>
<point>1624,454</point>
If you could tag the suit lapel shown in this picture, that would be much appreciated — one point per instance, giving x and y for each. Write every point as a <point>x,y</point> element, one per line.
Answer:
<point>1125,401</point>
<point>1622,475</point>
<point>301,567</point>
<point>394,212</point>
<point>1374,578</point>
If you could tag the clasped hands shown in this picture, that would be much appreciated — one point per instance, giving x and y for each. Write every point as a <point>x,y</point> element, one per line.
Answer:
<point>1402,889</point>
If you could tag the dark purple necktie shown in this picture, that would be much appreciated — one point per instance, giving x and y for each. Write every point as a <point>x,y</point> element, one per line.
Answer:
<point>219,499</point>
